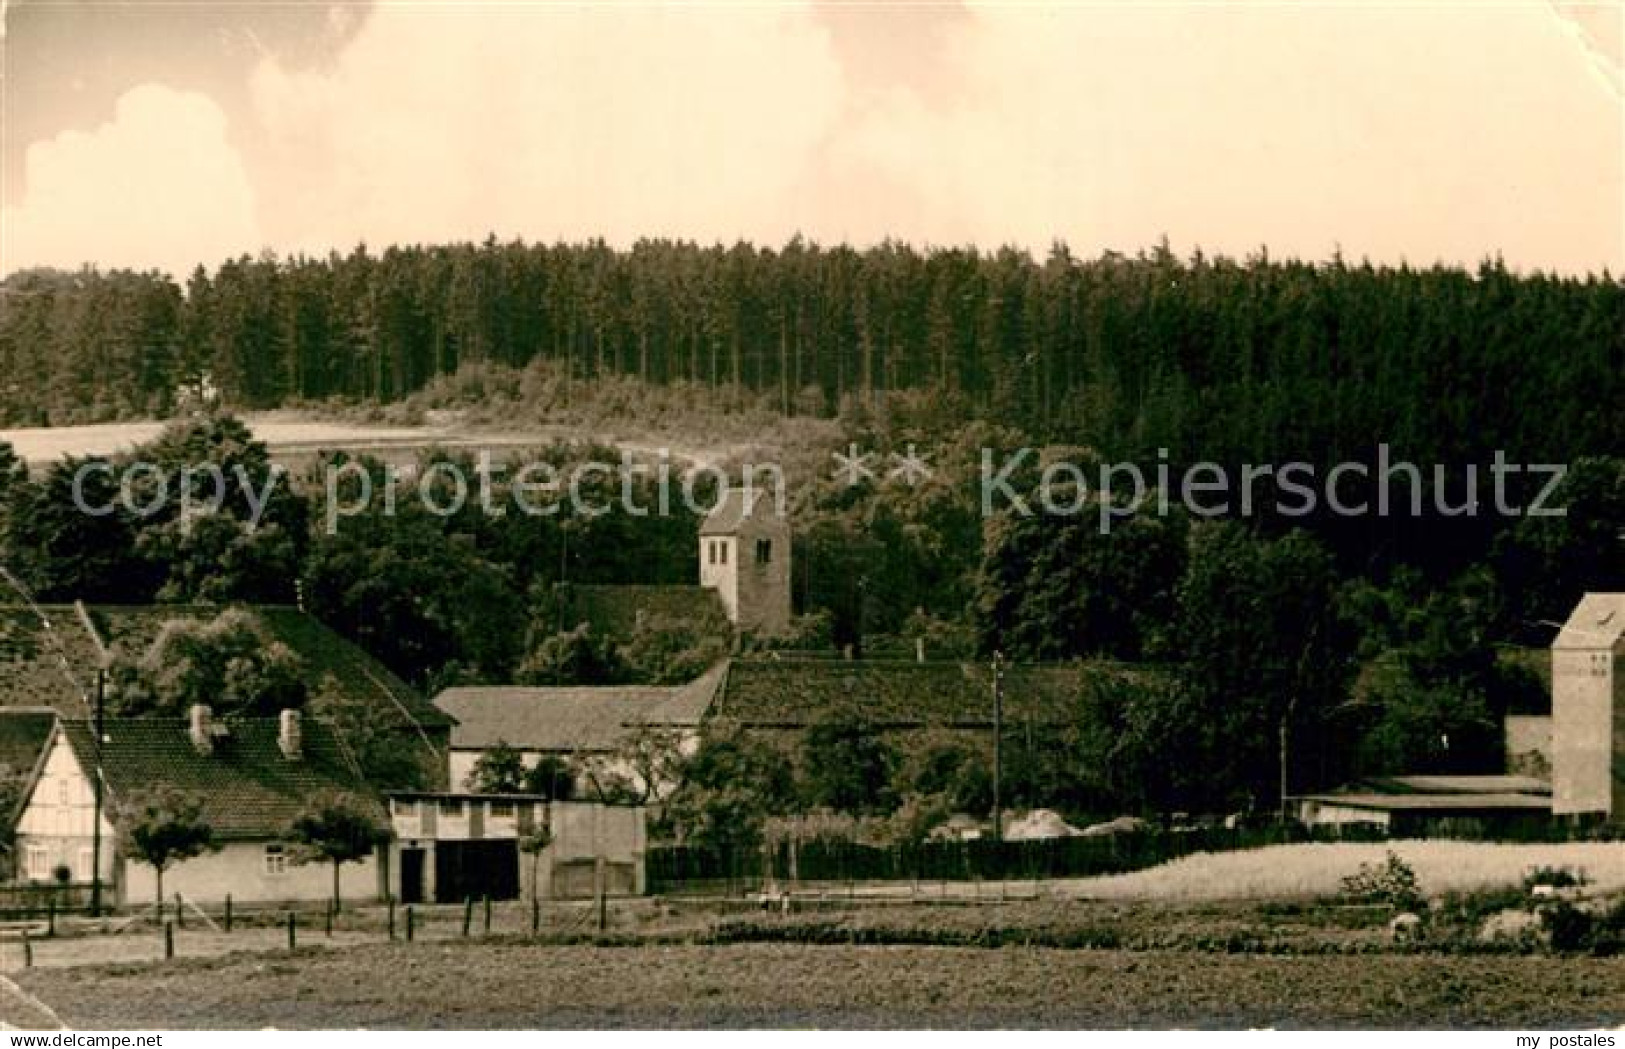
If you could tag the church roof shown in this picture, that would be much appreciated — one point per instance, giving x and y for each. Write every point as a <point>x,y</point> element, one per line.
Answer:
<point>797,692</point>
<point>734,510</point>
<point>613,611</point>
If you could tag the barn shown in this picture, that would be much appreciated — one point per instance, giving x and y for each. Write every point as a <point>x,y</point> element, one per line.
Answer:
<point>453,847</point>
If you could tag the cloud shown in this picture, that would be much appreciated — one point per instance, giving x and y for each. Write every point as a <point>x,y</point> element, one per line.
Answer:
<point>552,122</point>
<point>1399,132</point>
<point>159,185</point>
<point>1393,131</point>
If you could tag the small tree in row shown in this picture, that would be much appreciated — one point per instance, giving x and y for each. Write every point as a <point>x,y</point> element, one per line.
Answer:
<point>336,828</point>
<point>162,827</point>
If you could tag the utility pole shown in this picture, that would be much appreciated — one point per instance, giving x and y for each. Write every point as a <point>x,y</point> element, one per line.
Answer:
<point>998,746</point>
<point>97,791</point>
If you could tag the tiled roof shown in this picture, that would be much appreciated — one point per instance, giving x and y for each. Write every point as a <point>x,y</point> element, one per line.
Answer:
<point>792,693</point>
<point>613,611</point>
<point>32,662</point>
<point>248,789</point>
<point>571,719</point>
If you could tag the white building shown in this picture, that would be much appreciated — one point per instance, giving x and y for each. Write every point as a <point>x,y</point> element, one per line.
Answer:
<point>1588,710</point>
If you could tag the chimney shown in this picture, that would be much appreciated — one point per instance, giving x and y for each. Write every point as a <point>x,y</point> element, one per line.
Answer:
<point>288,735</point>
<point>201,729</point>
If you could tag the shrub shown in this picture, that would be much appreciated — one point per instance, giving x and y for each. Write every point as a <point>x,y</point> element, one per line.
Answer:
<point>1555,877</point>
<point>1392,883</point>
<point>1570,928</point>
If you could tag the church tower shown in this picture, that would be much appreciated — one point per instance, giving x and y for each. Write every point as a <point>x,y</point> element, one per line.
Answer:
<point>745,558</point>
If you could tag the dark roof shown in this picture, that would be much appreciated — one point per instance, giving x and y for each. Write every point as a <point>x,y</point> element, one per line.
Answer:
<point>32,669</point>
<point>23,735</point>
<point>571,719</point>
<point>613,611</point>
<point>249,790</point>
<point>792,693</point>
<point>731,511</point>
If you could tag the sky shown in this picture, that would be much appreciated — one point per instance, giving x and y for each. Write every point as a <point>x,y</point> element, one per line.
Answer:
<point>165,135</point>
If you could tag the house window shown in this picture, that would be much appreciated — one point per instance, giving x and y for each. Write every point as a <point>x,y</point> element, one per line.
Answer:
<point>502,810</point>
<point>764,551</point>
<point>37,863</point>
<point>409,809</point>
<point>86,871</point>
<point>722,551</point>
<point>276,861</point>
<point>451,808</point>
<point>63,791</point>
<point>711,551</point>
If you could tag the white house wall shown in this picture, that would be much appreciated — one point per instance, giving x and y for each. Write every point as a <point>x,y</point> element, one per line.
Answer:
<point>240,870</point>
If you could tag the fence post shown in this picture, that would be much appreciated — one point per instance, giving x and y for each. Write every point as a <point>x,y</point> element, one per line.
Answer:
<point>535,914</point>
<point>50,916</point>
<point>169,941</point>
<point>327,922</point>
<point>409,923</point>
<point>468,913</point>
<point>228,912</point>
<point>487,916</point>
<point>28,951</point>
<point>391,901</point>
<point>180,912</point>
<point>293,934</point>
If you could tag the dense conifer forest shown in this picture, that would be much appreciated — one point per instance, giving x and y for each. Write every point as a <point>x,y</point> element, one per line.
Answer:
<point>1212,358</point>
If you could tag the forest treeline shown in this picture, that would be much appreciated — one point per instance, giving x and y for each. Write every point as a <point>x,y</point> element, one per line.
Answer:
<point>1212,358</point>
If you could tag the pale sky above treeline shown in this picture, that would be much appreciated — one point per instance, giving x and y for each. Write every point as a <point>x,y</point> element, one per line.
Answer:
<point>158,135</point>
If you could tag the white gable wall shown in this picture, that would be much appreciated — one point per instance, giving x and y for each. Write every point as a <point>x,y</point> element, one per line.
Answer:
<point>55,827</point>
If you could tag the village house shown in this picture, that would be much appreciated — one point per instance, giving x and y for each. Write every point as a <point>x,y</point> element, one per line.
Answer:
<point>252,776</point>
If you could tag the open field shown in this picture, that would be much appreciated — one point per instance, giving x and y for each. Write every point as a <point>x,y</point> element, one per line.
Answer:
<point>1297,871</point>
<point>1318,868</point>
<point>281,431</point>
<point>294,436</point>
<point>514,985</point>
